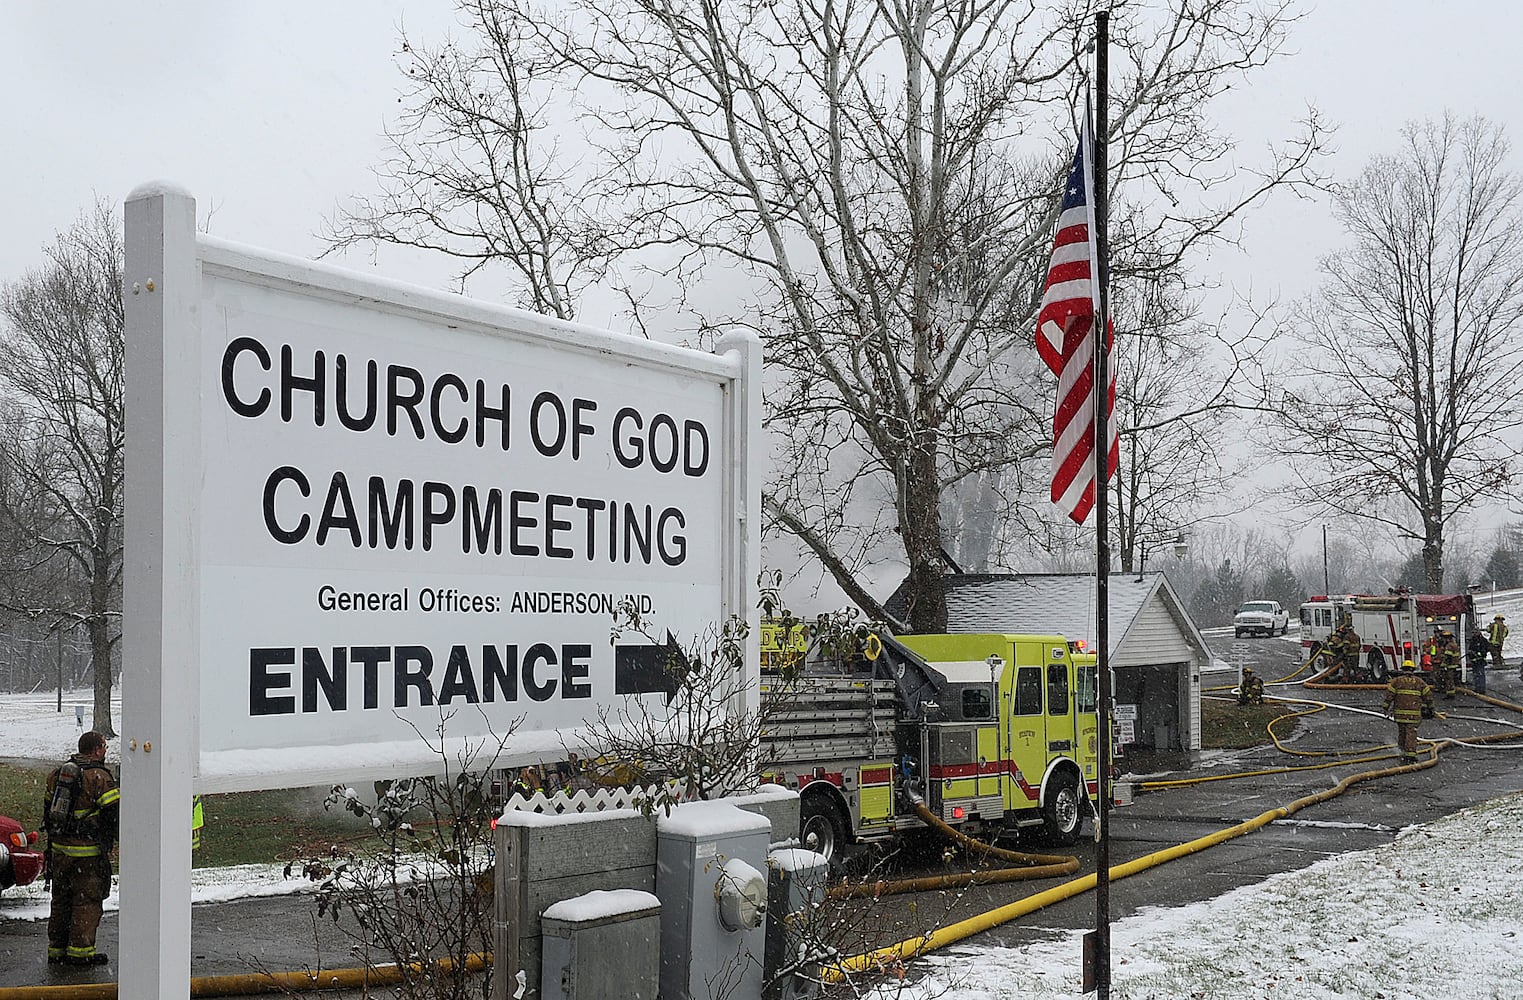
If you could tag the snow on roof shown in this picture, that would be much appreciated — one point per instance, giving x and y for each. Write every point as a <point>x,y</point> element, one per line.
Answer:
<point>600,904</point>
<point>1061,603</point>
<point>711,819</point>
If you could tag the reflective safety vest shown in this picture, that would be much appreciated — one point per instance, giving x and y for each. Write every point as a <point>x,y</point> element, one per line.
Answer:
<point>197,821</point>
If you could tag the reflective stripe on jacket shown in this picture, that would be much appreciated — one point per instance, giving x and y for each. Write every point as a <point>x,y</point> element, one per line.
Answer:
<point>96,804</point>
<point>1406,694</point>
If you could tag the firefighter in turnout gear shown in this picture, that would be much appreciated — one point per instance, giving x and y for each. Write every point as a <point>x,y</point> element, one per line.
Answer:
<point>1475,656</point>
<point>1408,698</point>
<point>80,814</point>
<point>1448,665</point>
<point>1251,690</point>
<point>1346,647</point>
<point>1496,634</point>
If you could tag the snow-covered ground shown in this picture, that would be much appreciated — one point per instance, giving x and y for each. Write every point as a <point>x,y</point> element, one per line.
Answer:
<point>31,725</point>
<point>1435,914</point>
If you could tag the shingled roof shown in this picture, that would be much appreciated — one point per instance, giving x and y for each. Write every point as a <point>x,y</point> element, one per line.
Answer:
<point>1061,603</point>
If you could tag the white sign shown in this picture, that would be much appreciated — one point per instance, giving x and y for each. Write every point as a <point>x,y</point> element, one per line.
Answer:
<point>357,511</point>
<point>408,509</point>
<point>425,518</point>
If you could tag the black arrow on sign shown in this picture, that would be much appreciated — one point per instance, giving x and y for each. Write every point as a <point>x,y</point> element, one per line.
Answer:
<point>650,669</point>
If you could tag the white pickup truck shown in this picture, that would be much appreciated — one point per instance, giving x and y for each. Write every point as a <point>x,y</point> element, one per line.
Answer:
<point>1261,617</point>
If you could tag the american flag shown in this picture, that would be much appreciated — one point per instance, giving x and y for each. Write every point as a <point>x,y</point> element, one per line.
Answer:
<point>1064,339</point>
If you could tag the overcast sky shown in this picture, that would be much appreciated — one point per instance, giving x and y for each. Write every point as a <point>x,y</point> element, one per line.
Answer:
<point>270,113</point>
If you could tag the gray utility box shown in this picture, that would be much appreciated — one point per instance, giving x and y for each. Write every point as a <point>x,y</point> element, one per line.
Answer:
<point>797,881</point>
<point>711,863</point>
<point>542,860</point>
<point>602,945</point>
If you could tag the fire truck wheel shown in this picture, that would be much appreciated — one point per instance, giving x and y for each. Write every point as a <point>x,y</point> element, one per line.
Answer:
<point>1061,813</point>
<point>821,829</point>
<point>1377,663</point>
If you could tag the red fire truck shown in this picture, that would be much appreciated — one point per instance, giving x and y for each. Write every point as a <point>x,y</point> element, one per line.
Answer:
<point>1392,627</point>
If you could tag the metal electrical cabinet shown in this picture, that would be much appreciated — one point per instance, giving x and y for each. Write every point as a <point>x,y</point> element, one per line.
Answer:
<point>711,863</point>
<point>794,952</point>
<point>602,945</point>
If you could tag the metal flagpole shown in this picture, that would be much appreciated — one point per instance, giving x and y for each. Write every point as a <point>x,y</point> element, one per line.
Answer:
<point>1102,949</point>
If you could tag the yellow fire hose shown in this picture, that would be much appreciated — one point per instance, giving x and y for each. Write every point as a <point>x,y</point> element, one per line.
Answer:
<point>1320,682</point>
<point>1035,866</point>
<point>1499,702</point>
<point>1280,745</point>
<point>1373,753</point>
<point>1288,677</point>
<point>893,956</point>
<point>250,983</point>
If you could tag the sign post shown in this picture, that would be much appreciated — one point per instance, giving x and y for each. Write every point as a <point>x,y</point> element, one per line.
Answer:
<point>159,570</point>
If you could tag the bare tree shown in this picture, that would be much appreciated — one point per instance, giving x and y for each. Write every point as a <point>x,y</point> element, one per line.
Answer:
<point>1182,388</point>
<point>61,370</point>
<point>474,172</point>
<point>1406,413</point>
<point>861,171</point>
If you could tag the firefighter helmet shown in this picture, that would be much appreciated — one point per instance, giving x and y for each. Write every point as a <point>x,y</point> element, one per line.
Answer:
<point>1407,665</point>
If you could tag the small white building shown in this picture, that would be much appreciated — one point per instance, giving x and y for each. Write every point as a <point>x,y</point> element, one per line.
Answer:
<point>1156,652</point>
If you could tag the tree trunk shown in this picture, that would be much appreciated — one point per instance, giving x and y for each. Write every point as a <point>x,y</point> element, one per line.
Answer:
<point>925,597</point>
<point>1433,559</point>
<point>100,666</point>
<point>99,628</point>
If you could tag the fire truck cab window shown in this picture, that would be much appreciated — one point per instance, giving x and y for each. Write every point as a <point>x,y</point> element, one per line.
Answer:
<point>975,703</point>
<point>1028,691</point>
<point>1057,689</point>
<point>1087,683</point>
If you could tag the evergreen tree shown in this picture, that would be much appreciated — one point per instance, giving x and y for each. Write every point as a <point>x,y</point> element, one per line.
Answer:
<point>1502,568</point>
<point>1281,584</point>
<point>1413,573</point>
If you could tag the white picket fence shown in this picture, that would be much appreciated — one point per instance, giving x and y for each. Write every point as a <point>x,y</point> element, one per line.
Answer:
<point>585,800</point>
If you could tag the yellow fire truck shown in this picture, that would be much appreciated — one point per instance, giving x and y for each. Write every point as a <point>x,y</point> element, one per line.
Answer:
<point>989,732</point>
